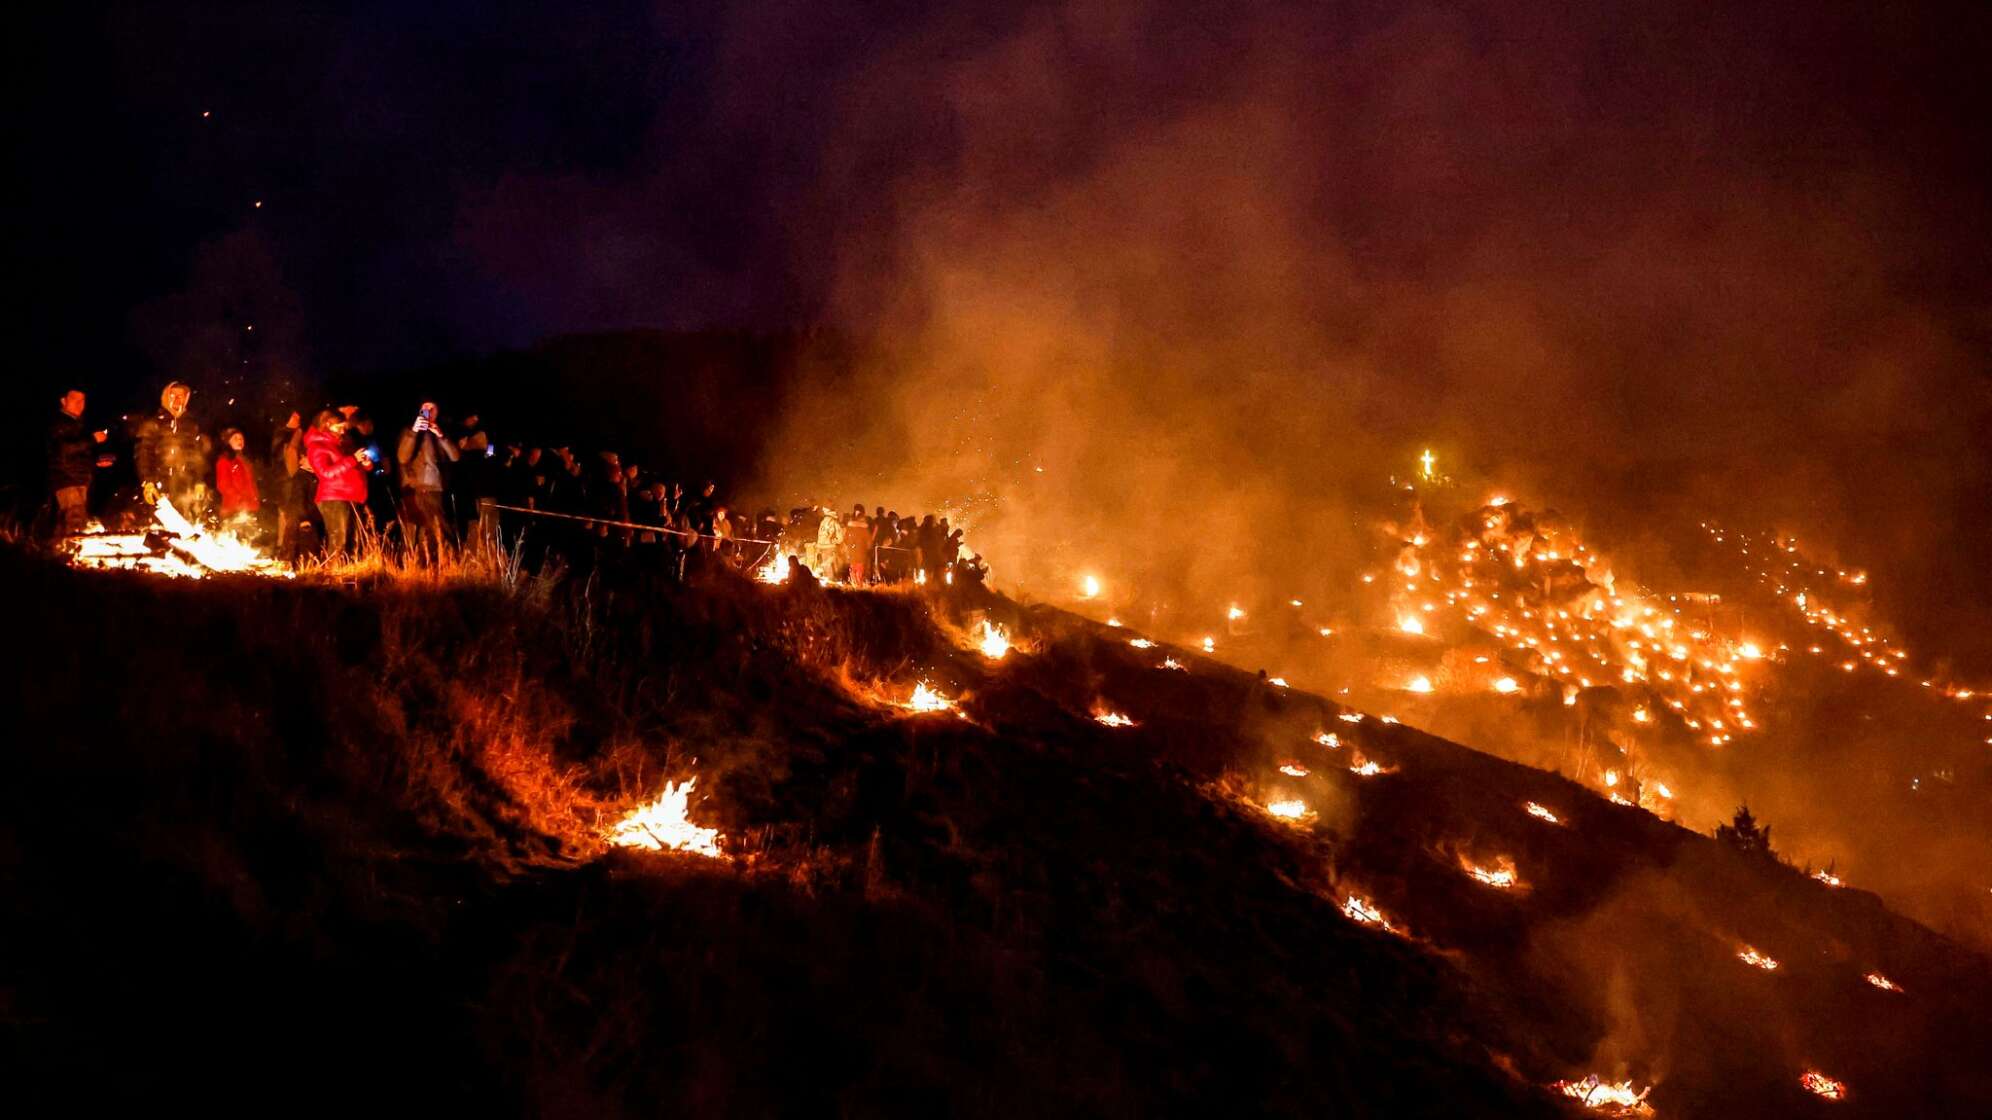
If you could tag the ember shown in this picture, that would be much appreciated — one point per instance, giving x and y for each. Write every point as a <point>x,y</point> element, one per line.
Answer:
<point>663,824</point>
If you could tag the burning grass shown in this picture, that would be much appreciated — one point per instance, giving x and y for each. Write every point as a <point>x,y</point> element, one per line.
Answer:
<point>1608,1098</point>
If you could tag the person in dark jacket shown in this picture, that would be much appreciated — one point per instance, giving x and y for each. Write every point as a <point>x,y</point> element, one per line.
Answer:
<point>294,483</point>
<point>173,454</point>
<point>72,456</point>
<point>342,483</point>
<point>423,451</point>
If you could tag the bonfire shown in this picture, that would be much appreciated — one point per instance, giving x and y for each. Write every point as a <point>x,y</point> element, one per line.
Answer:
<point>172,546</point>
<point>1607,1097</point>
<point>663,824</point>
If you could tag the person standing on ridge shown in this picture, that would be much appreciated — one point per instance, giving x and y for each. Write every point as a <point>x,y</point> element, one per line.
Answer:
<point>342,485</point>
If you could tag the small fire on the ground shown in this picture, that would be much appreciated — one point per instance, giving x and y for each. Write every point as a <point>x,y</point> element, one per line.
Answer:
<point>1818,1083</point>
<point>1828,878</point>
<point>1367,767</point>
<point>664,823</point>
<point>1607,1097</point>
<point>1750,956</point>
<point>1542,813</point>
<point>926,699</point>
<point>1288,809</point>
<point>1501,876</point>
<point>1292,768</point>
<point>1361,910</point>
<point>995,644</point>
<point>1112,719</point>
<point>1883,982</point>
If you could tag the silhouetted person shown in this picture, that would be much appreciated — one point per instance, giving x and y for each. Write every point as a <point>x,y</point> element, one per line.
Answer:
<point>72,457</point>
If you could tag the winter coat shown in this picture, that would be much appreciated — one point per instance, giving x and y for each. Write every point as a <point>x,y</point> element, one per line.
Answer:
<point>236,483</point>
<point>339,477</point>
<point>72,452</point>
<point>421,456</point>
<point>171,450</point>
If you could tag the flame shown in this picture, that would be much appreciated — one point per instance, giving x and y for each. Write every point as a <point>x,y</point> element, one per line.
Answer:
<point>1289,810</point>
<point>995,641</point>
<point>1506,685</point>
<point>1828,878</point>
<point>926,699</point>
<point>1172,663</point>
<point>1235,613</point>
<point>1360,909</point>
<point>1541,812</point>
<point>1089,587</point>
<point>1112,719</point>
<point>1209,645</point>
<point>1882,982</point>
<point>1327,739</point>
<point>776,570</point>
<point>663,824</point>
<point>1277,682</point>
<point>1418,684</point>
<point>1141,643</point>
<point>1293,769</point>
<point>1501,876</point>
<point>1830,1088</point>
<point>1366,767</point>
<point>194,552</point>
<point>1752,957</point>
<point>1411,624</point>
<point>1611,1098</point>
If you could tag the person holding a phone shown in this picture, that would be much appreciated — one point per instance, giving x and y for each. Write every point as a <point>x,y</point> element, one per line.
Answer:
<point>422,452</point>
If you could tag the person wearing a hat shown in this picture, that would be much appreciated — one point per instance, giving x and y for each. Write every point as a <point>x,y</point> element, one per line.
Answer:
<point>172,455</point>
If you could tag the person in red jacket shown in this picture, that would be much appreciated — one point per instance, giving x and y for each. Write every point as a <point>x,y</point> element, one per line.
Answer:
<point>235,480</point>
<point>342,483</point>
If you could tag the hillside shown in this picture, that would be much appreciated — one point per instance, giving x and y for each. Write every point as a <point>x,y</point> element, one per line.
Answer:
<point>270,841</point>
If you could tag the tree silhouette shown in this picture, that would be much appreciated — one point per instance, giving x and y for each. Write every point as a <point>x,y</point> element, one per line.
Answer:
<point>1746,836</point>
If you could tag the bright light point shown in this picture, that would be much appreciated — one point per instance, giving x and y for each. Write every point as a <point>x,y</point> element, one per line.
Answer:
<point>663,824</point>
<point>1749,651</point>
<point>1089,587</point>
<point>1411,624</point>
<point>1209,645</point>
<point>1506,685</point>
<point>1291,810</point>
<point>1418,684</point>
<point>1235,613</point>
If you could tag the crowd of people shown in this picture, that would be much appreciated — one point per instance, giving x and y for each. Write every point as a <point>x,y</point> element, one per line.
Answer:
<point>330,482</point>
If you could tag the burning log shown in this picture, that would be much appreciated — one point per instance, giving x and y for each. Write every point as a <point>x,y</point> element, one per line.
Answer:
<point>172,546</point>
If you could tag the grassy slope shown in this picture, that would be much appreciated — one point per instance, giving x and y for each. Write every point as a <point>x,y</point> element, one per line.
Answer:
<point>281,839</point>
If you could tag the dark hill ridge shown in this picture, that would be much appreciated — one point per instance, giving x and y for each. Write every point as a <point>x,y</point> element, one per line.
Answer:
<point>270,836</point>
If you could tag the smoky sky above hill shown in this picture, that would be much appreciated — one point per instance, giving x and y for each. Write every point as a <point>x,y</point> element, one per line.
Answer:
<point>1206,265</point>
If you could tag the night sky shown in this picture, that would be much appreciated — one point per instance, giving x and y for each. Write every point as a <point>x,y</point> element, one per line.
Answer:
<point>1758,239</point>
